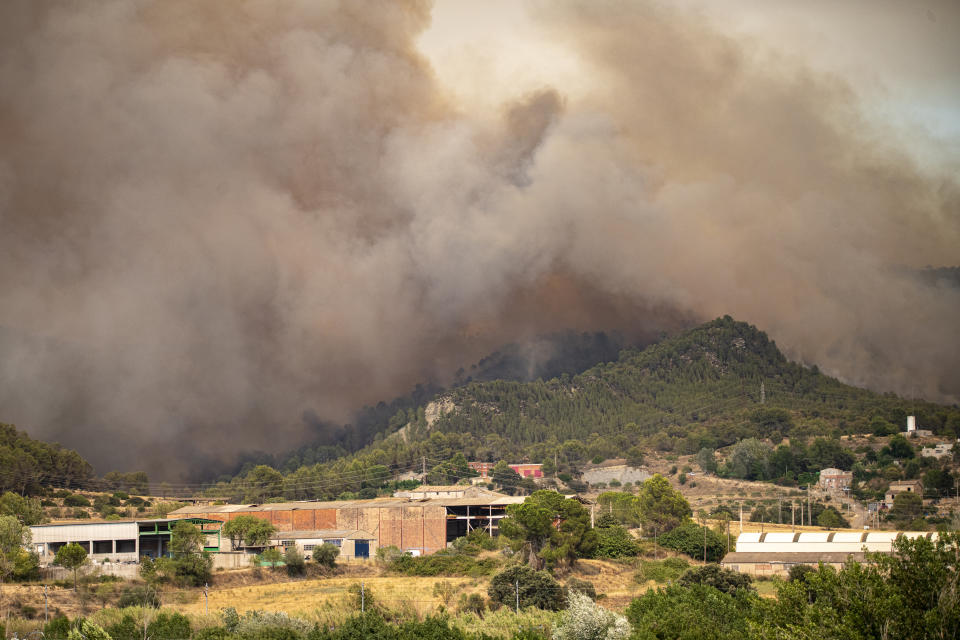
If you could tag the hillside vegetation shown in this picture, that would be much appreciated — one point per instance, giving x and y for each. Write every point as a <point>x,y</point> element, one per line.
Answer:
<point>706,388</point>
<point>27,465</point>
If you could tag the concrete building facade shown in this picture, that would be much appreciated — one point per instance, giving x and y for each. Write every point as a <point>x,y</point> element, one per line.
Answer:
<point>117,541</point>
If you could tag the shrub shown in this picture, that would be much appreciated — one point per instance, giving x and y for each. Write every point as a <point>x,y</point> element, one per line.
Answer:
<point>169,626</point>
<point>585,620</point>
<point>799,572</point>
<point>87,631</point>
<point>661,571</point>
<point>713,575</point>
<point>75,500</point>
<point>472,603</point>
<point>270,625</point>
<point>296,566</point>
<point>326,555</point>
<point>126,629</point>
<point>269,557</point>
<point>689,539</point>
<point>210,633</point>
<point>139,596</point>
<point>443,562</point>
<point>57,628</point>
<point>535,588</point>
<point>482,539</point>
<point>615,542</point>
<point>576,585</point>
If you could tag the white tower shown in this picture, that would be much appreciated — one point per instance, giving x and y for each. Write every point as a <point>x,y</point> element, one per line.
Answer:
<point>911,424</point>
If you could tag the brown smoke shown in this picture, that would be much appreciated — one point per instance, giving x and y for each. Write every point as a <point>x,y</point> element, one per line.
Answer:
<point>217,215</point>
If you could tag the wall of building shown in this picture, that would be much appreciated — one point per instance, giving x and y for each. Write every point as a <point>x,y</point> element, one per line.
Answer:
<point>411,527</point>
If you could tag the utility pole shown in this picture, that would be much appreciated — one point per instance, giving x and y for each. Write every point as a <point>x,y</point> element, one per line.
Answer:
<point>809,510</point>
<point>423,461</point>
<point>362,598</point>
<point>793,514</point>
<point>518,597</point>
<point>206,602</point>
<point>779,519</point>
<point>45,616</point>
<point>763,393</point>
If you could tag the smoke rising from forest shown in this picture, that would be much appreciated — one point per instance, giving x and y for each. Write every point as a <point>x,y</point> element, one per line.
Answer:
<point>216,216</point>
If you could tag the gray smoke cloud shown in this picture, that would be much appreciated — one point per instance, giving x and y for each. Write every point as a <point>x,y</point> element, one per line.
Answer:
<point>218,215</point>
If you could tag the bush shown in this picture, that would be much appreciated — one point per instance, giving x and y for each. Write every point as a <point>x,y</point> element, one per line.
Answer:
<point>536,589</point>
<point>443,562</point>
<point>75,500</point>
<point>576,585</point>
<point>269,557</point>
<point>688,538</point>
<point>799,572</point>
<point>615,542</point>
<point>661,571</point>
<point>57,628</point>
<point>126,629</point>
<point>472,603</point>
<point>86,630</point>
<point>713,575</point>
<point>296,566</point>
<point>169,626</point>
<point>326,555</point>
<point>210,633</point>
<point>139,596</point>
<point>585,620</point>
<point>270,625</point>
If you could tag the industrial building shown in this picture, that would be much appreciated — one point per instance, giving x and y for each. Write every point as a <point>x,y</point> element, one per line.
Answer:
<point>117,541</point>
<point>775,553</point>
<point>420,525</point>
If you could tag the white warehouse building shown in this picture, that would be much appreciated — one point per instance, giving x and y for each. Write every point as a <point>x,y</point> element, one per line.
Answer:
<point>775,553</point>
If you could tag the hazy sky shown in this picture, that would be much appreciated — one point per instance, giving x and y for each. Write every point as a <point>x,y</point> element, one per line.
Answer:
<point>903,57</point>
<point>218,216</point>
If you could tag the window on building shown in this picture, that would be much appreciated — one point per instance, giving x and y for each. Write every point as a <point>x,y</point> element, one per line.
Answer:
<point>287,543</point>
<point>309,547</point>
<point>334,541</point>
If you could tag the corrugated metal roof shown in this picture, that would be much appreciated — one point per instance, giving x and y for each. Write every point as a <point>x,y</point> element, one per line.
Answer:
<point>493,499</point>
<point>796,557</point>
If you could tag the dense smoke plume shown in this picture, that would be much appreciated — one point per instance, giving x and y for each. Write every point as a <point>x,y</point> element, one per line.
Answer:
<point>217,215</point>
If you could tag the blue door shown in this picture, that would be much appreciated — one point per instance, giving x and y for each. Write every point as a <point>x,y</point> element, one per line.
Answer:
<point>361,548</point>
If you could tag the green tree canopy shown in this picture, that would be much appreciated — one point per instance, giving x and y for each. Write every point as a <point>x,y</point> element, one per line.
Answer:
<point>552,528</point>
<point>71,556</point>
<point>535,588</point>
<point>27,510</point>
<point>661,507</point>
<point>249,530</point>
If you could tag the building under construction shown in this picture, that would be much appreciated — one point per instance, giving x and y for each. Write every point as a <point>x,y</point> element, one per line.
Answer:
<point>417,525</point>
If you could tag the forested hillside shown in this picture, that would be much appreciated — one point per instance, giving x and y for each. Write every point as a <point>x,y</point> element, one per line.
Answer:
<point>543,356</point>
<point>27,465</point>
<point>706,388</point>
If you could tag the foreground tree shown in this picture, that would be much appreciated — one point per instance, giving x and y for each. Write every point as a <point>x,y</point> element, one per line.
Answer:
<point>71,556</point>
<point>553,529</point>
<point>586,620</point>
